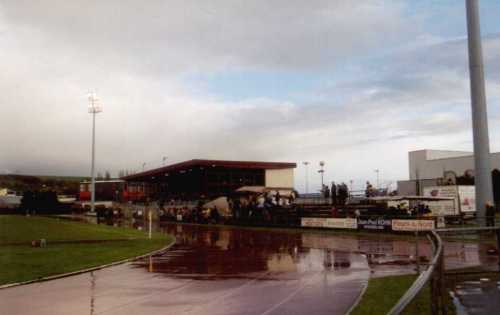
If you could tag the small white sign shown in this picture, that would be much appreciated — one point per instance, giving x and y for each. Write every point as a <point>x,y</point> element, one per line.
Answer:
<point>441,222</point>
<point>467,196</point>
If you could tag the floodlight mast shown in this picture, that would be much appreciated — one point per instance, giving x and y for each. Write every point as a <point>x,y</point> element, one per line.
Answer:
<point>322,172</point>
<point>93,109</point>
<point>306,163</point>
<point>482,164</point>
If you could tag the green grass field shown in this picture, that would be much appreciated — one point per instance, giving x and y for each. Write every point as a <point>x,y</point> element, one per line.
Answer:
<point>25,229</point>
<point>23,262</point>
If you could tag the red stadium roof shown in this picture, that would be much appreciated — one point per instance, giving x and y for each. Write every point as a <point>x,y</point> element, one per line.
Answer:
<point>211,163</point>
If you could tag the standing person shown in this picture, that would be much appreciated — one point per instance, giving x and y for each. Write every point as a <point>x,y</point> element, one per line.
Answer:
<point>237,209</point>
<point>346,191</point>
<point>291,198</point>
<point>277,198</point>
<point>326,192</point>
<point>490,214</point>
<point>333,193</point>
<point>334,212</point>
<point>214,215</point>
<point>230,205</point>
<point>357,213</point>
<point>369,189</point>
<point>340,193</point>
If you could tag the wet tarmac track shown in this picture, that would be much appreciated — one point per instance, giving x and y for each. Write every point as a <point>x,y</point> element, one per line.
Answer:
<point>228,271</point>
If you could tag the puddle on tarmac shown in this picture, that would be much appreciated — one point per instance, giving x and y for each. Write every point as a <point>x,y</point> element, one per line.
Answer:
<point>205,252</point>
<point>477,297</point>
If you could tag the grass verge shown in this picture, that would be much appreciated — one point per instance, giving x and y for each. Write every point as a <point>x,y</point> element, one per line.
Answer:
<point>23,262</point>
<point>383,293</point>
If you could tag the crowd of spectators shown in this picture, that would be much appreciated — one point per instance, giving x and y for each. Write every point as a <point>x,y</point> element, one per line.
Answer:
<point>249,208</point>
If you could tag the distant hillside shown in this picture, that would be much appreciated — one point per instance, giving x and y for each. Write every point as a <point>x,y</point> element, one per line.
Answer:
<point>64,178</point>
<point>59,184</point>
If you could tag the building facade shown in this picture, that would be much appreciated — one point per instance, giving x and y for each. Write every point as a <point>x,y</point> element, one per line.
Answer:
<point>196,179</point>
<point>432,164</point>
<point>440,167</point>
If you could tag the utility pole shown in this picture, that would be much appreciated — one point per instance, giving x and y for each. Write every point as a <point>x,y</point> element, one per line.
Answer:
<point>94,108</point>
<point>378,178</point>
<point>484,191</point>
<point>306,164</point>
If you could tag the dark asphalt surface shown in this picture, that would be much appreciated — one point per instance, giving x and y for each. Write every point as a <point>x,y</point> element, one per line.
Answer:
<point>228,271</point>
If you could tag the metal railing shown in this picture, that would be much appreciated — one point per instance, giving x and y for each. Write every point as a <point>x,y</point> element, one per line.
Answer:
<point>426,276</point>
<point>435,274</point>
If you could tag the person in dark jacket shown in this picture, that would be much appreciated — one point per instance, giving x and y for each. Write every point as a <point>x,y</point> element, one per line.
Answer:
<point>333,193</point>
<point>277,198</point>
<point>369,190</point>
<point>326,192</point>
<point>345,191</point>
<point>214,215</point>
<point>490,214</point>
<point>342,193</point>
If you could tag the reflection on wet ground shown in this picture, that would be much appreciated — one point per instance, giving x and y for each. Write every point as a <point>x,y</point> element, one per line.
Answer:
<point>214,270</point>
<point>477,297</point>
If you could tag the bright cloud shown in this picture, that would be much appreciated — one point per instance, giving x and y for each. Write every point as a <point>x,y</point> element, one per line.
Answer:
<point>379,83</point>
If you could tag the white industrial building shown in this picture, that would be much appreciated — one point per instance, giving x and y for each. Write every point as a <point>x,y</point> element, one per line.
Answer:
<point>431,164</point>
<point>435,167</point>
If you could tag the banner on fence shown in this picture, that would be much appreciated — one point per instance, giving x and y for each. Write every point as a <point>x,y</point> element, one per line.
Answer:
<point>412,225</point>
<point>331,223</point>
<point>374,223</point>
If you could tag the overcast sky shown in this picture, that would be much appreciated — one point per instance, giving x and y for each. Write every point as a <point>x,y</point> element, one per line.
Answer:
<point>357,84</point>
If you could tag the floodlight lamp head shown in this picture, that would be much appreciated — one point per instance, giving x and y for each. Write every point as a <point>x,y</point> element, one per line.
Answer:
<point>94,110</point>
<point>94,106</point>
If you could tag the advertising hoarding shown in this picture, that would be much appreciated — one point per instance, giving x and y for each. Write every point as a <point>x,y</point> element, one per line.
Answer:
<point>331,223</point>
<point>374,223</point>
<point>412,225</point>
<point>464,196</point>
<point>441,207</point>
<point>467,197</point>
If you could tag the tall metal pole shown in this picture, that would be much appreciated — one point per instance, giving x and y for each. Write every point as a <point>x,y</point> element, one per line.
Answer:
<point>92,168</point>
<point>307,176</point>
<point>484,191</point>
<point>322,171</point>
<point>93,109</point>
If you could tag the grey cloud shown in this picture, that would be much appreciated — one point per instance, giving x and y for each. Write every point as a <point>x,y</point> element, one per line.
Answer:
<point>170,36</point>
